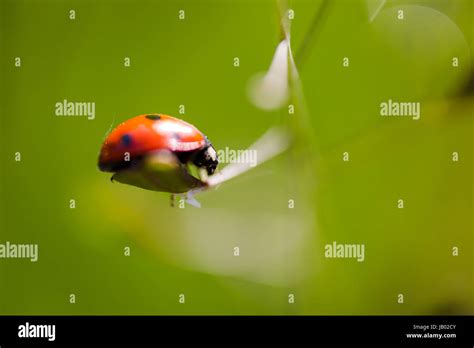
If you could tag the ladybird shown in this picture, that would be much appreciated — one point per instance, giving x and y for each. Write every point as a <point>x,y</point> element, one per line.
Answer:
<point>155,151</point>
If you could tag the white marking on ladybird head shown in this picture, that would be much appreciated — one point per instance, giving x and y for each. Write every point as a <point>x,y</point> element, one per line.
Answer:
<point>212,153</point>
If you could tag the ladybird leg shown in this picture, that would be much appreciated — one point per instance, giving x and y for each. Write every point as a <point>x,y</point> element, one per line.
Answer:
<point>172,200</point>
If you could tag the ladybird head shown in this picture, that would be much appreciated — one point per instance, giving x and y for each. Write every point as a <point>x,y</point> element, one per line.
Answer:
<point>207,158</point>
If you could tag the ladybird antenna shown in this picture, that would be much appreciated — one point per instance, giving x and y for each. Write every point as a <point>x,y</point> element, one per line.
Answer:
<point>270,144</point>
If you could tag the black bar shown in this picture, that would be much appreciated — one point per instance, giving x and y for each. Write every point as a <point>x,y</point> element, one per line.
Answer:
<point>134,330</point>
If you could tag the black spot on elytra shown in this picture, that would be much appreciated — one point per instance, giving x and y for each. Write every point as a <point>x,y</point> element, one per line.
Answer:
<point>126,139</point>
<point>153,117</point>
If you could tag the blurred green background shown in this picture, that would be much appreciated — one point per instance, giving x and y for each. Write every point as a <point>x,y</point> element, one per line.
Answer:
<point>190,251</point>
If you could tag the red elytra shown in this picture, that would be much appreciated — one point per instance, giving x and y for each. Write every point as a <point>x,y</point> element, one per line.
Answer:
<point>146,133</point>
